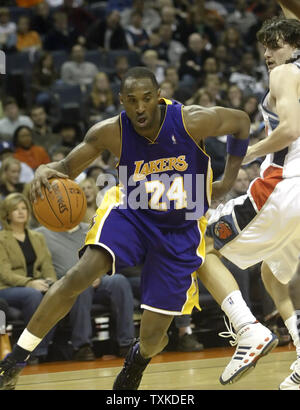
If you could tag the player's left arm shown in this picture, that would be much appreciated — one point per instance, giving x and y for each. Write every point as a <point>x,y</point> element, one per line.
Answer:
<point>217,121</point>
<point>284,91</point>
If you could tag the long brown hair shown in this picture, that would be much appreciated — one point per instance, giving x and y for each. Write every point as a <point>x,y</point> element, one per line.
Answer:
<point>96,93</point>
<point>9,204</point>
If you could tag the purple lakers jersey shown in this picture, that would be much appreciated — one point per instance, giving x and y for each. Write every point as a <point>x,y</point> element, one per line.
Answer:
<point>169,178</point>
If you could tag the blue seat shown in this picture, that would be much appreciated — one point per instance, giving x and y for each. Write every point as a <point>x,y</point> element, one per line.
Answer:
<point>97,57</point>
<point>66,93</point>
<point>18,63</point>
<point>59,57</point>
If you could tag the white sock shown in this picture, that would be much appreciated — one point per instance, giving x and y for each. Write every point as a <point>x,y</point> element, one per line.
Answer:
<point>293,326</point>
<point>237,311</point>
<point>28,341</point>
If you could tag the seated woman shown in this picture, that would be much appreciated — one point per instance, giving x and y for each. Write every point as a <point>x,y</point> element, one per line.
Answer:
<point>26,266</point>
<point>101,102</point>
<point>44,76</point>
<point>10,173</point>
<point>27,39</point>
<point>26,150</point>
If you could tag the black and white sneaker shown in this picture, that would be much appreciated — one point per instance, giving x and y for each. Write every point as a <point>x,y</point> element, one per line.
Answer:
<point>9,373</point>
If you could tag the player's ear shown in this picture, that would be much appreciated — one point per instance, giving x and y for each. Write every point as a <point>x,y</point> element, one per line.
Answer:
<point>158,93</point>
<point>120,98</point>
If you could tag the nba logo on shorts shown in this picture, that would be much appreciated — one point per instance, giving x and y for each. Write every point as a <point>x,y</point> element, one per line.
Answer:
<point>2,323</point>
<point>2,62</point>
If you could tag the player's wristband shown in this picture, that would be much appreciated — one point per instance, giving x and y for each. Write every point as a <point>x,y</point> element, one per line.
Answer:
<point>236,146</point>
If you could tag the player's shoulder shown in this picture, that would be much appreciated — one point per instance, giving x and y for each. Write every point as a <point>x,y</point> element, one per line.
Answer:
<point>103,131</point>
<point>108,123</point>
<point>191,111</point>
<point>282,71</point>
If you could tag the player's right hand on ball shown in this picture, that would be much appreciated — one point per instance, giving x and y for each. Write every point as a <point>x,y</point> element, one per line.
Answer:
<point>41,178</point>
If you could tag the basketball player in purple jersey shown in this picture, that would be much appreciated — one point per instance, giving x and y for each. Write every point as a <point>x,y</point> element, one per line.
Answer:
<point>160,143</point>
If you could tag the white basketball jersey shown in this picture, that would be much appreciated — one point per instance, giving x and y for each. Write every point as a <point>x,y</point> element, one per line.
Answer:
<point>288,158</point>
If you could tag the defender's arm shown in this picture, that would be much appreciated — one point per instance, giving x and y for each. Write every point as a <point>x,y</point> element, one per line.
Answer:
<point>284,91</point>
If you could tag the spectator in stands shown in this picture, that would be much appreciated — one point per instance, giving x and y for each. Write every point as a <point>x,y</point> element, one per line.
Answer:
<point>94,171</point>
<point>169,16</point>
<point>8,31</point>
<point>44,76</point>
<point>215,88</point>
<point>120,68</point>
<point>235,48</point>
<point>7,151</point>
<point>136,36</point>
<point>250,106</point>
<point>248,77</point>
<point>62,36</point>
<point>151,17</point>
<point>12,119</point>
<point>241,18</point>
<point>240,185</point>
<point>195,22</point>
<point>79,18</point>
<point>10,172</point>
<point>78,71</point>
<point>69,134</point>
<point>192,60</point>
<point>181,92</point>
<point>26,268</point>
<point>100,102</point>
<point>187,341</point>
<point>201,97</point>
<point>107,34</point>
<point>151,61</point>
<point>223,60</point>
<point>253,169</point>
<point>234,97</point>
<point>63,247</point>
<point>91,192</point>
<point>26,150</point>
<point>27,39</point>
<point>42,131</point>
<point>42,19</point>
<point>173,49</point>
<point>167,89</point>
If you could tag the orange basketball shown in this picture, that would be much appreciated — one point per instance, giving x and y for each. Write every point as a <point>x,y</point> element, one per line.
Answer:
<point>63,208</point>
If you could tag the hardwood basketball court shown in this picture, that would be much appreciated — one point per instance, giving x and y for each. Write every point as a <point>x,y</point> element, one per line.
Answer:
<point>167,371</point>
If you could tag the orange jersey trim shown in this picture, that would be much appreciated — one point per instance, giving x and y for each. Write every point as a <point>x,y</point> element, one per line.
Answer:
<point>262,188</point>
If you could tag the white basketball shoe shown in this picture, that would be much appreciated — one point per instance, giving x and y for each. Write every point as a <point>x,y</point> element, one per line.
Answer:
<point>292,382</point>
<point>253,342</point>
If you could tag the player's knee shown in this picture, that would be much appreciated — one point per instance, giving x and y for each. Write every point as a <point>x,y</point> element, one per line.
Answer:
<point>74,282</point>
<point>154,342</point>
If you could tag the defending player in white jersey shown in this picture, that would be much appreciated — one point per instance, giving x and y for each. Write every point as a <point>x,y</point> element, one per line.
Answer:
<point>264,225</point>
